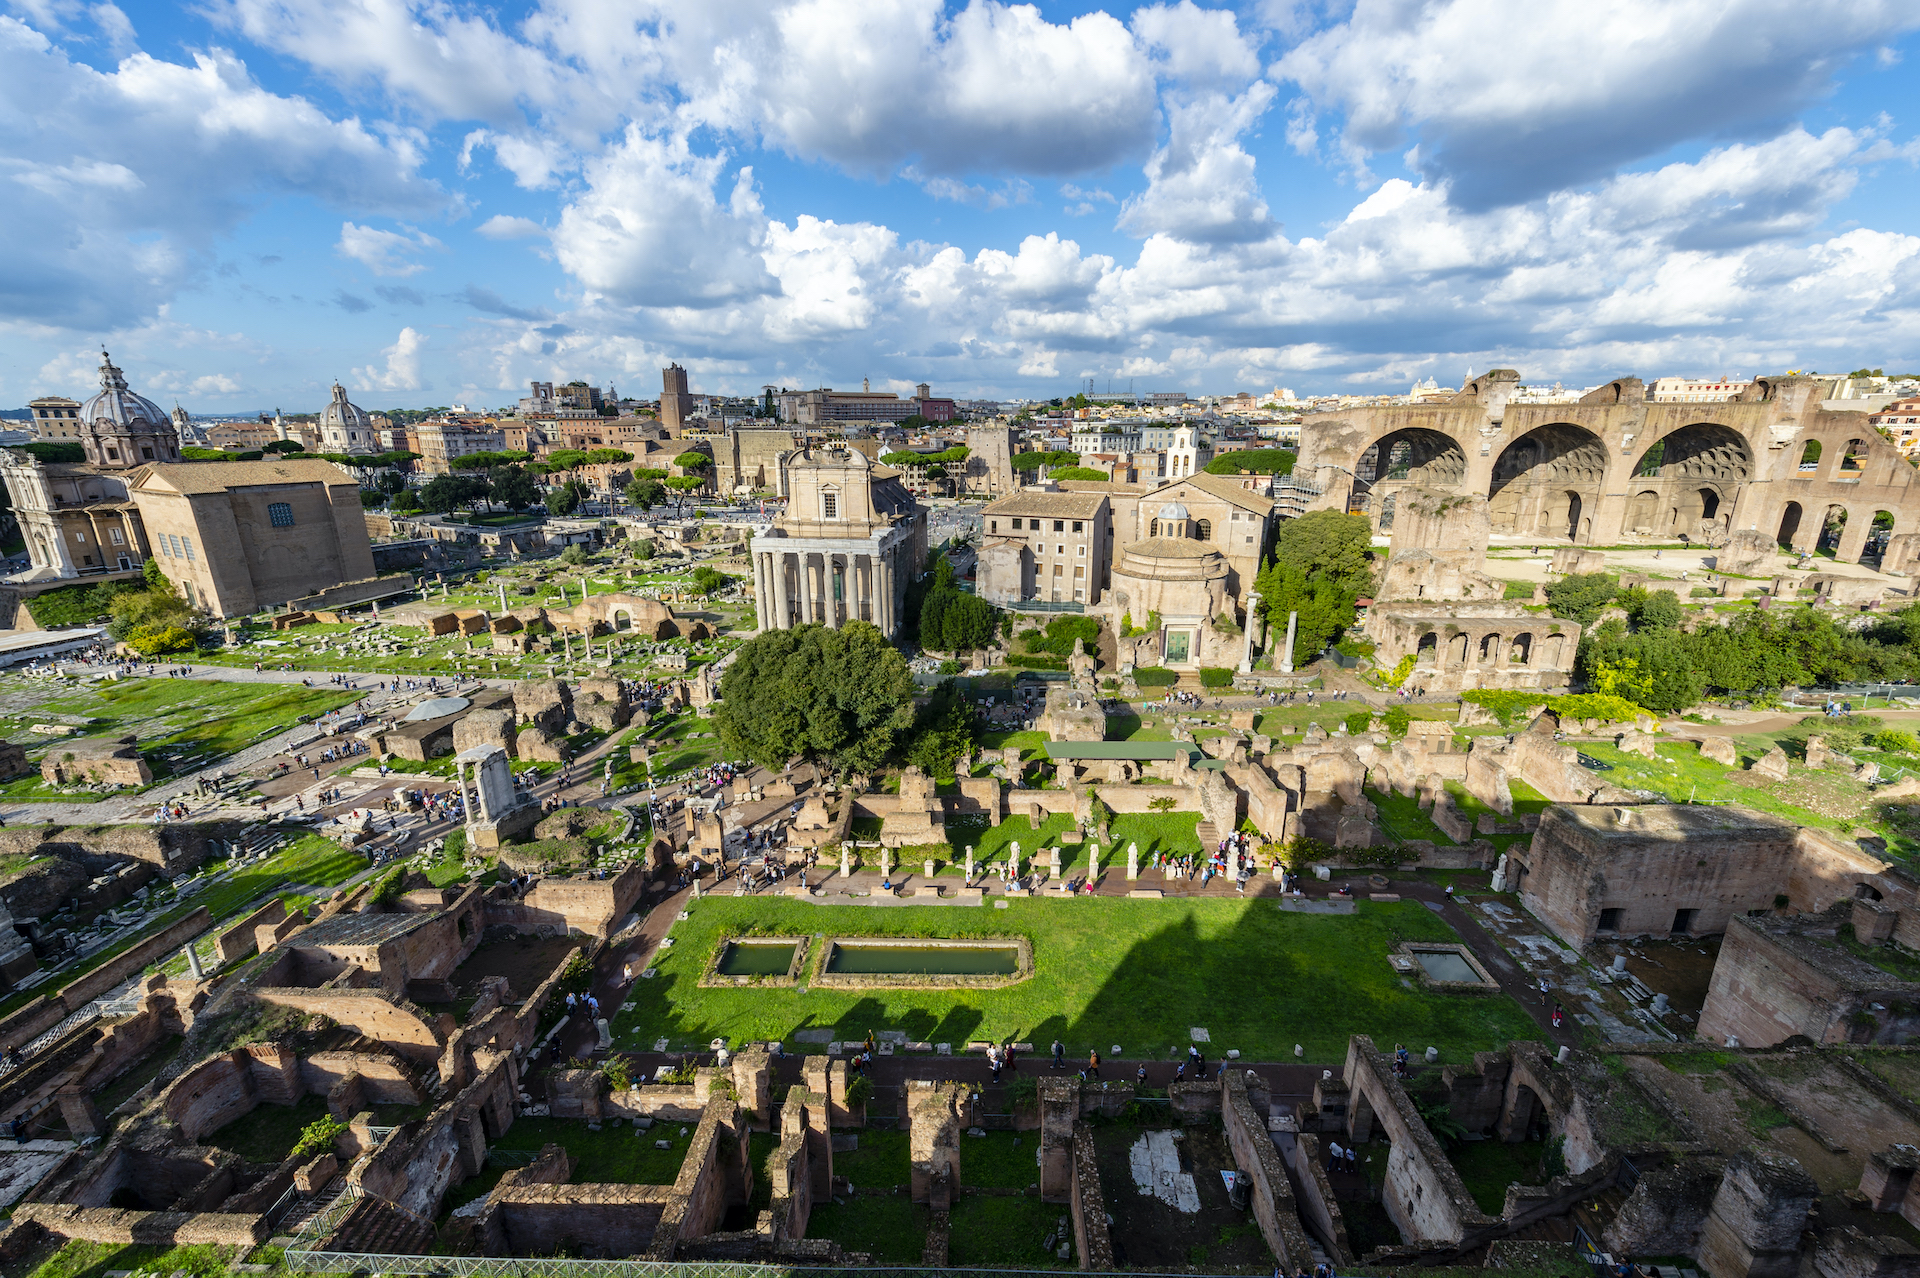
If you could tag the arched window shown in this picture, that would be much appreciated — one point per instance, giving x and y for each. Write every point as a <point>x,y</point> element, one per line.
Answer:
<point>1810,455</point>
<point>1855,458</point>
<point>1203,529</point>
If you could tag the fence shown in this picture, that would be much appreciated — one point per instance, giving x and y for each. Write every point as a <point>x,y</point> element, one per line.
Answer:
<point>1045,605</point>
<point>342,1262</point>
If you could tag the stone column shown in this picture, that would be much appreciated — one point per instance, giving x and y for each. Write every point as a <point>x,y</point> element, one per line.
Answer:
<point>783,617</point>
<point>1286,653</point>
<point>193,962</point>
<point>840,571</point>
<point>883,613</point>
<point>1246,650</point>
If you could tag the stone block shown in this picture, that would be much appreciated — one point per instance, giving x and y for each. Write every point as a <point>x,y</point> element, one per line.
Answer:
<point>1772,765</point>
<point>1720,750</point>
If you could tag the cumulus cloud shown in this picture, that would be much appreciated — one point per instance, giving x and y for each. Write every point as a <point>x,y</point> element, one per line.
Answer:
<point>502,227</point>
<point>1202,46</point>
<point>1201,185</point>
<point>1716,263</point>
<point>1571,90</point>
<point>402,372</point>
<point>649,230</point>
<point>868,85</point>
<point>385,253</point>
<point>124,179</point>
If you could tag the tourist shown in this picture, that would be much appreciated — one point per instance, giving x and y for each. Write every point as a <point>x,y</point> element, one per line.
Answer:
<point>1546,993</point>
<point>1334,1154</point>
<point>1559,1014</point>
<point>1093,1064</point>
<point>1140,1077</point>
<point>1059,1053</point>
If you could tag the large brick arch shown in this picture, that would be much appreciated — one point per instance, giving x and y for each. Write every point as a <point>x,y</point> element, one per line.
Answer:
<point>1721,468</point>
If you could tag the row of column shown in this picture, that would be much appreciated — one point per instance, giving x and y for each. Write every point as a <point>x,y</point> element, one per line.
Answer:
<point>801,587</point>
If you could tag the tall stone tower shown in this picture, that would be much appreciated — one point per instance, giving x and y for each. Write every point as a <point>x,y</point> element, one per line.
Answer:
<point>676,403</point>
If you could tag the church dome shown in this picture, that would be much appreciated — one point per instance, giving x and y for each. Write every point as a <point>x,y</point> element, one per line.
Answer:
<point>1173,510</point>
<point>341,415</point>
<point>118,409</point>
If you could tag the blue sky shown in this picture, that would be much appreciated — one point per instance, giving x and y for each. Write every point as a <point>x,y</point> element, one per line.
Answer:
<point>437,202</point>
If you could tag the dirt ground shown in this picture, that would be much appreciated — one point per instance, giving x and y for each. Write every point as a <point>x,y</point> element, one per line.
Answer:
<point>1148,1232</point>
<point>525,962</point>
<point>1678,969</point>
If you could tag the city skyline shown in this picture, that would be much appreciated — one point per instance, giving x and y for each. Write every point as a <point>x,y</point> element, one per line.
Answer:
<point>247,200</point>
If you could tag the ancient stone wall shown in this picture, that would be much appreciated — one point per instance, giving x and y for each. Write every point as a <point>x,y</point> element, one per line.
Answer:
<point>716,1174</point>
<point>149,1228</point>
<point>1753,1229</point>
<point>1314,1200</point>
<point>590,906</point>
<point>1423,1193</point>
<point>372,1012</point>
<point>1255,1158</point>
<point>610,1221</point>
<point>1092,1242</point>
<point>1775,978</point>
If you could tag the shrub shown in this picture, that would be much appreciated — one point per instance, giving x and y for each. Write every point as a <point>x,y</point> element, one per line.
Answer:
<point>1398,675</point>
<point>318,1136</point>
<point>159,641</point>
<point>1155,677</point>
<point>1216,677</point>
<point>1397,720</point>
<point>858,1091</point>
<point>1896,741</point>
<point>1357,721</point>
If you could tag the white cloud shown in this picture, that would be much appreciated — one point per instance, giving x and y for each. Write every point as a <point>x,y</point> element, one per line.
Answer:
<point>214,384</point>
<point>385,253</point>
<point>402,372</point>
<point>503,227</point>
<point>1571,90</point>
<point>1198,45</point>
<point>1201,185</point>
<point>123,180</point>
<point>649,231</point>
<point>869,85</point>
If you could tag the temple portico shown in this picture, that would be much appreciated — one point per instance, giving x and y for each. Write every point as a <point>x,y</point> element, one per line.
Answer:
<point>844,550</point>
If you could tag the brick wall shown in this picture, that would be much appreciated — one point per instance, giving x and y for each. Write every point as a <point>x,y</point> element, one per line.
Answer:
<point>152,1228</point>
<point>1092,1244</point>
<point>1255,1157</point>
<point>1423,1193</point>
<point>588,1220</point>
<point>1314,1200</point>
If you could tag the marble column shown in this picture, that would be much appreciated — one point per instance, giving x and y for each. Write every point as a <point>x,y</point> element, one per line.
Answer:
<point>1286,653</point>
<point>783,618</point>
<point>762,597</point>
<point>1246,651</point>
<point>839,589</point>
<point>883,617</point>
<point>809,605</point>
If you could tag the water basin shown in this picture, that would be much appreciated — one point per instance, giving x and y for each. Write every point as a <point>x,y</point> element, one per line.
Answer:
<point>1445,965</point>
<point>854,959</point>
<point>764,958</point>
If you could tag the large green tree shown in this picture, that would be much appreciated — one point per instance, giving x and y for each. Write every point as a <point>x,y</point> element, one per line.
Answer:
<point>839,698</point>
<point>1328,546</point>
<point>513,487</point>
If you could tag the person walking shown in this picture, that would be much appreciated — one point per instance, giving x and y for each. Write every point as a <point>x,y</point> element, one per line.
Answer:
<point>1093,1064</point>
<point>1059,1053</point>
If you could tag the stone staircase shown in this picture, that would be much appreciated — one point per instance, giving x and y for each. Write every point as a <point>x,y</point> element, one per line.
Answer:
<point>379,1228</point>
<point>1209,836</point>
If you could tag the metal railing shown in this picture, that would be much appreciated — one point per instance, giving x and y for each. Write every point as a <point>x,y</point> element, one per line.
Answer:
<point>343,1262</point>
<point>1047,605</point>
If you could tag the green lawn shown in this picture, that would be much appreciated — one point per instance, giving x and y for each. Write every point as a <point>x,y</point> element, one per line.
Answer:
<point>1134,972</point>
<point>79,1259</point>
<point>891,1228</point>
<point>269,1133</point>
<point>1002,1232</point>
<point>1000,1160</point>
<point>182,724</point>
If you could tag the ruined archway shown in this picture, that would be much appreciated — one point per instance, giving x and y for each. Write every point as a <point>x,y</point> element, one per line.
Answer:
<point>1810,456</point>
<point>1694,470</point>
<point>1414,457</point>
<point>1545,480</point>
<point>1789,525</point>
<point>1522,650</point>
<point>1832,528</point>
<point>1643,514</point>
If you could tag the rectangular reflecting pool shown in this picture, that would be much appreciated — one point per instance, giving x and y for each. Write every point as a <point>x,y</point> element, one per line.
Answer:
<point>750,958</point>
<point>1445,965</point>
<point>855,959</point>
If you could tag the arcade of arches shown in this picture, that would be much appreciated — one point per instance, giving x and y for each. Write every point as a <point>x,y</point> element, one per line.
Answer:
<point>1774,463</point>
